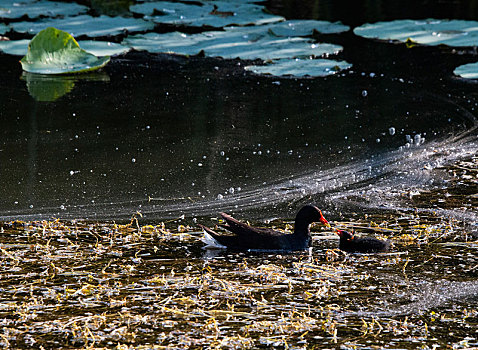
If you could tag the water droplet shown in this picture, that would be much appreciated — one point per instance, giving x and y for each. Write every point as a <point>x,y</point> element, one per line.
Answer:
<point>133,160</point>
<point>417,139</point>
<point>377,140</point>
<point>220,196</point>
<point>391,131</point>
<point>364,93</point>
<point>222,153</point>
<point>231,190</point>
<point>199,164</point>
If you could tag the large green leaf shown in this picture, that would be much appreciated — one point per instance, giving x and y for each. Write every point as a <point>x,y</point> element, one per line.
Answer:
<point>467,71</point>
<point>428,31</point>
<point>215,14</point>
<point>34,9</point>
<point>53,51</point>
<point>231,44</point>
<point>300,67</point>
<point>86,25</point>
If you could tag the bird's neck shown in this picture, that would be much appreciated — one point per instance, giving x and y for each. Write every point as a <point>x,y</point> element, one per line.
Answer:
<point>301,228</point>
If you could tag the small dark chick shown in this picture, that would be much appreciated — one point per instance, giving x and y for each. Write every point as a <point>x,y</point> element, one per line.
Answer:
<point>352,244</point>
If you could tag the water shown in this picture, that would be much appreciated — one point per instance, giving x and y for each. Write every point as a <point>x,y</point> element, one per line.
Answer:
<point>172,138</point>
<point>387,149</point>
<point>76,285</point>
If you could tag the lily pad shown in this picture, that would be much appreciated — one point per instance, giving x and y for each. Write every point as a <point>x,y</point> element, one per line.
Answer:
<point>427,32</point>
<point>231,44</point>
<point>53,51</point>
<point>300,67</point>
<point>86,25</point>
<point>17,9</point>
<point>299,27</point>
<point>103,48</point>
<point>15,47</point>
<point>4,28</point>
<point>97,48</point>
<point>467,71</point>
<point>215,14</point>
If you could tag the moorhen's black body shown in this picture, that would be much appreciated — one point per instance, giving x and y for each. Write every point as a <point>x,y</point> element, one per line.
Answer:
<point>245,237</point>
<point>350,243</point>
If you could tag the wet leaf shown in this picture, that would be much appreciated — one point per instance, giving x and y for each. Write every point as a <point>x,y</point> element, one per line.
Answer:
<point>231,44</point>
<point>15,47</point>
<point>86,25</point>
<point>467,71</point>
<point>300,67</point>
<point>34,9</point>
<point>103,48</point>
<point>97,48</point>
<point>427,32</point>
<point>300,28</point>
<point>215,14</point>
<point>53,51</point>
<point>4,28</point>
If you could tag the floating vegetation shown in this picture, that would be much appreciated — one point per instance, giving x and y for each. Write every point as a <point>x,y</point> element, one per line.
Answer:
<point>232,43</point>
<point>426,32</point>
<point>42,8</point>
<point>97,48</point>
<point>214,14</point>
<point>461,190</point>
<point>86,25</point>
<point>300,67</point>
<point>80,284</point>
<point>15,47</point>
<point>53,51</point>
<point>266,37</point>
<point>467,71</point>
<point>4,28</point>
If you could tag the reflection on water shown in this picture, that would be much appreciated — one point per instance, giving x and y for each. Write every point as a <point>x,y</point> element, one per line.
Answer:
<point>49,88</point>
<point>197,136</point>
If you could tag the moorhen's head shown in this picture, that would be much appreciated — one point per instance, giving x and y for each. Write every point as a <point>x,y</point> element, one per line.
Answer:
<point>345,235</point>
<point>311,213</point>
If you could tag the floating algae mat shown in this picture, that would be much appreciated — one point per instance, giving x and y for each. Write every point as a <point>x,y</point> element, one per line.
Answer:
<point>77,284</point>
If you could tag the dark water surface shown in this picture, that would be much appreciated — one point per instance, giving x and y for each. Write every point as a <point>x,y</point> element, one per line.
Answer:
<point>387,148</point>
<point>176,136</point>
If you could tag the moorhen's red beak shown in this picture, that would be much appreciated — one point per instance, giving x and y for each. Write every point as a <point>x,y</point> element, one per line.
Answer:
<point>338,232</point>
<point>323,220</point>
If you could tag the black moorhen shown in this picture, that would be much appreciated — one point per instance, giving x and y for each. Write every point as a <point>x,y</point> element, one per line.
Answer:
<point>244,237</point>
<point>350,243</point>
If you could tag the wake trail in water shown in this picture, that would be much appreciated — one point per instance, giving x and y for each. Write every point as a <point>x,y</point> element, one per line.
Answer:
<point>432,295</point>
<point>383,182</point>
